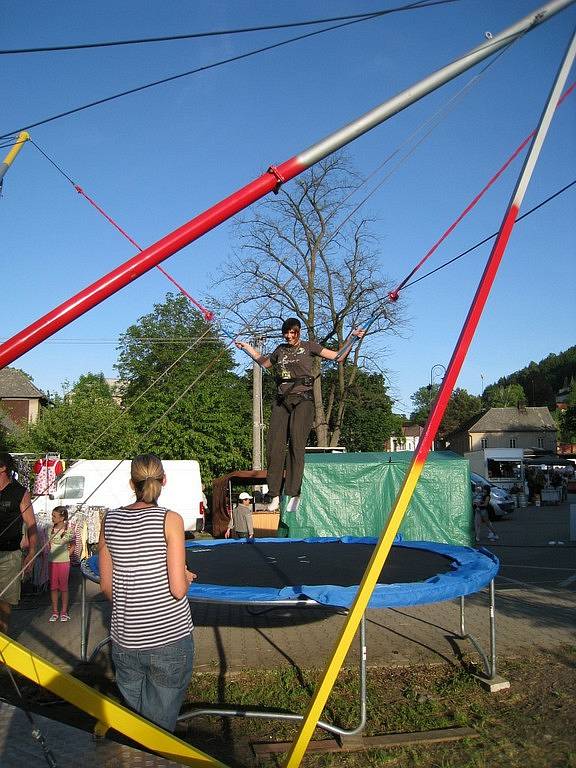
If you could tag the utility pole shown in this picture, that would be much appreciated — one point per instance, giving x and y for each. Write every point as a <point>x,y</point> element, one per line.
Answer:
<point>257,410</point>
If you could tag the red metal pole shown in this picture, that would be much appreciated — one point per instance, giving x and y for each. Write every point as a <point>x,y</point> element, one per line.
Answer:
<point>144,261</point>
<point>485,285</point>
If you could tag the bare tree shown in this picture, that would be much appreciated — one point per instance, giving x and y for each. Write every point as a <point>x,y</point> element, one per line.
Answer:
<point>304,254</point>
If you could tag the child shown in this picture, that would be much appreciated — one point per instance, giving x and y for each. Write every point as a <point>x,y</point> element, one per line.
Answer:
<point>482,512</point>
<point>60,540</point>
<point>241,519</point>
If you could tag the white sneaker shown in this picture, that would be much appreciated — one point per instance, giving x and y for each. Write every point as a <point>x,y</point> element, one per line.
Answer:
<point>274,505</point>
<point>492,536</point>
<point>292,505</point>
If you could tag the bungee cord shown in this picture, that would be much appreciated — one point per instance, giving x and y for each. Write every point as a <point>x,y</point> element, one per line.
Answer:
<point>493,235</point>
<point>476,199</point>
<point>207,314</point>
<point>394,294</point>
<point>36,732</point>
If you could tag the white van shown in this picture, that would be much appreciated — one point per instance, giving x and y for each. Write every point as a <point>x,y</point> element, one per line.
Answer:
<point>106,483</point>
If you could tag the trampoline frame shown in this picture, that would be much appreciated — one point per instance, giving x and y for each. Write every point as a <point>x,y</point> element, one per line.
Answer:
<point>488,659</point>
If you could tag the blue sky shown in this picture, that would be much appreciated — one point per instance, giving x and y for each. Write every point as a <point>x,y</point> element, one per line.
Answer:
<point>155,159</point>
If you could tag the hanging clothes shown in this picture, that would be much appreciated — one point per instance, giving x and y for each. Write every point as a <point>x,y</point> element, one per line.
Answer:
<point>47,470</point>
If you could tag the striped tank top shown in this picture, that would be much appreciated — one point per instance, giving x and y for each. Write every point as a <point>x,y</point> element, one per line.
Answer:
<point>145,614</point>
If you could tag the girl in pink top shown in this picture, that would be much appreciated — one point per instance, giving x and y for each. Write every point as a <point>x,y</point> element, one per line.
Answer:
<point>60,541</point>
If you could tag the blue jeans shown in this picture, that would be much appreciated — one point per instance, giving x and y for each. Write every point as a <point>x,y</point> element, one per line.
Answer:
<point>154,682</point>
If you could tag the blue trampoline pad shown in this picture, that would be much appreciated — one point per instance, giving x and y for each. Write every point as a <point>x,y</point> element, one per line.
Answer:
<point>329,570</point>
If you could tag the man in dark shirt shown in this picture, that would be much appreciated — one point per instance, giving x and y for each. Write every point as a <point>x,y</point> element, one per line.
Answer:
<point>15,508</point>
<point>293,412</point>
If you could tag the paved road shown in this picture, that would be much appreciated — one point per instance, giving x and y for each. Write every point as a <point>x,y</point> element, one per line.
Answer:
<point>535,600</point>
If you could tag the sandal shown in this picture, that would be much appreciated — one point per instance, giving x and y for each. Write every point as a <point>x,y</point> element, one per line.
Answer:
<point>64,617</point>
<point>54,617</point>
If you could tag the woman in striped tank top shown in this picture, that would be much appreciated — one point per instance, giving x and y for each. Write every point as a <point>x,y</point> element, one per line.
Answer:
<point>143,571</point>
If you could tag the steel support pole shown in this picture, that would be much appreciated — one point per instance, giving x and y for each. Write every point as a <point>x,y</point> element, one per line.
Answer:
<point>270,181</point>
<point>257,407</point>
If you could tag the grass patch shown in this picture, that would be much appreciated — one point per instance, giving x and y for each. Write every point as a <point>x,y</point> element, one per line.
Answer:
<point>531,725</point>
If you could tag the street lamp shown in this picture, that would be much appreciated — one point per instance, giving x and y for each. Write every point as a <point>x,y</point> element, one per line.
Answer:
<point>431,385</point>
<point>437,365</point>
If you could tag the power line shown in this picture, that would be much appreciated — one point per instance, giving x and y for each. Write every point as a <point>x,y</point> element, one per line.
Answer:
<point>206,67</point>
<point>222,32</point>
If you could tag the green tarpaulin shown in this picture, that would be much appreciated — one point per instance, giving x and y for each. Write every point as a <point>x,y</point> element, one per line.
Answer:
<point>353,493</point>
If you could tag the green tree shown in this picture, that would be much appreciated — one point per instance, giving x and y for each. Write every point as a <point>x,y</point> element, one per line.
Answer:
<point>368,421</point>
<point>8,441</point>
<point>567,418</point>
<point>503,396</point>
<point>541,381</point>
<point>304,254</point>
<point>422,401</point>
<point>461,407</point>
<point>85,423</point>
<point>184,398</point>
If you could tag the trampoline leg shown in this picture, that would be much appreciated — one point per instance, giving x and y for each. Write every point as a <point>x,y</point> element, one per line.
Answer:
<point>467,636</point>
<point>491,680</point>
<point>83,628</point>
<point>287,715</point>
<point>492,630</point>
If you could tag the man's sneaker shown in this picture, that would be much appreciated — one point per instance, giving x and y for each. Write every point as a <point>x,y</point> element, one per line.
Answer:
<point>54,617</point>
<point>492,536</point>
<point>274,505</point>
<point>64,617</point>
<point>292,505</point>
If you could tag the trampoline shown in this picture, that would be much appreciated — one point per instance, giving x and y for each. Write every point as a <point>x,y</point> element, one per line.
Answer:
<point>327,571</point>
<point>300,573</point>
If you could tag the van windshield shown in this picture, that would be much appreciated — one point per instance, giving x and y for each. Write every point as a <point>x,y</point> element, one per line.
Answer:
<point>71,487</point>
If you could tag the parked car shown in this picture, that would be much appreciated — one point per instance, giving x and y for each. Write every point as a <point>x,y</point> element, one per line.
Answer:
<point>504,502</point>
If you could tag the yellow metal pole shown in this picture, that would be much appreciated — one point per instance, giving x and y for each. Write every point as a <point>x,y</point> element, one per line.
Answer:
<point>109,712</point>
<point>23,137</point>
<point>298,749</point>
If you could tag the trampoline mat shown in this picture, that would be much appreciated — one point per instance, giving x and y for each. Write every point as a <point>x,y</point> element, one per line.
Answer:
<point>264,564</point>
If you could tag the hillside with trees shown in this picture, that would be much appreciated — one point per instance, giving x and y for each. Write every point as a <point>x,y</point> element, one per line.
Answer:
<point>535,385</point>
<point>541,381</point>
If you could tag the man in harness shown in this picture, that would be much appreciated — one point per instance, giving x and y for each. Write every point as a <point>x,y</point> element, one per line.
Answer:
<point>293,411</point>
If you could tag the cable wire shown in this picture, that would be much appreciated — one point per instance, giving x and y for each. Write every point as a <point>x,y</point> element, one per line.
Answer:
<point>195,71</point>
<point>492,236</point>
<point>223,32</point>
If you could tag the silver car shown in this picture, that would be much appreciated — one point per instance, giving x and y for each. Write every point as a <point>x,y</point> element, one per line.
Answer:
<point>501,502</point>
